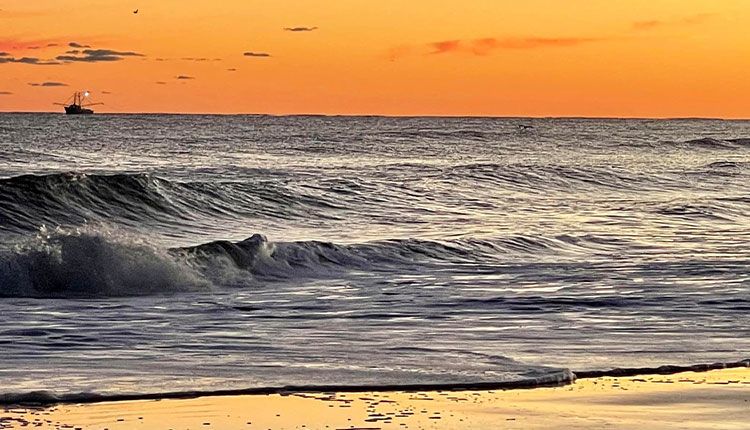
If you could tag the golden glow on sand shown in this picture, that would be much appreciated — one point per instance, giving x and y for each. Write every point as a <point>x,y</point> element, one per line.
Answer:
<point>480,57</point>
<point>717,399</point>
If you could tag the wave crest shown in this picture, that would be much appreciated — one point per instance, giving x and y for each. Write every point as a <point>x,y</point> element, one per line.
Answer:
<point>132,199</point>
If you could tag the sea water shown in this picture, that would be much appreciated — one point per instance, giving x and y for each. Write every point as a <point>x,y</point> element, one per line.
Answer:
<point>162,253</point>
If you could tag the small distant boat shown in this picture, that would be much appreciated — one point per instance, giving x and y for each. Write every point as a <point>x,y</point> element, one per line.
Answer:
<point>78,106</point>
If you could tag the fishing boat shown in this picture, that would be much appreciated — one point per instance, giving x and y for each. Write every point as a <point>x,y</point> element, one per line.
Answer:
<point>78,105</point>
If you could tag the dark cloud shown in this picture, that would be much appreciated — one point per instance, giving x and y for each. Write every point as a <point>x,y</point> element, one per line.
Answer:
<point>5,93</point>
<point>78,45</point>
<point>48,84</point>
<point>107,52</point>
<point>183,77</point>
<point>97,55</point>
<point>256,54</point>
<point>296,29</point>
<point>106,92</point>
<point>4,54</point>
<point>73,51</point>
<point>87,59</point>
<point>52,44</point>
<point>231,70</point>
<point>161,83</point>
<point>27,60</point>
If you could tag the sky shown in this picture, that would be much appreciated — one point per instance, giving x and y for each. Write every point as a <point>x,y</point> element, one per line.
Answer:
<point>597,58</point>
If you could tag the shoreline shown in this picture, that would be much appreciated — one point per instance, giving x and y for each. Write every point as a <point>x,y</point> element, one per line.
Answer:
<point>685,400</point>
<point>565,378</point>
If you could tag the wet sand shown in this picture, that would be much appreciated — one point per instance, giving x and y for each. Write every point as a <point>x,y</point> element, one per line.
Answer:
<point>690,400</point>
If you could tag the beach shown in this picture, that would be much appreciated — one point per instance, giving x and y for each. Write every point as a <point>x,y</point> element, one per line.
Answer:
<point>688,400</point>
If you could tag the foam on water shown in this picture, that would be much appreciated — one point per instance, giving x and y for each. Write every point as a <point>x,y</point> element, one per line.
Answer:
<point>68,265</point>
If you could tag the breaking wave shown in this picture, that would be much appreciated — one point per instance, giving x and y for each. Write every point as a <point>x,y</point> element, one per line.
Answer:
<point>61,264</point>
<point>90,263</point>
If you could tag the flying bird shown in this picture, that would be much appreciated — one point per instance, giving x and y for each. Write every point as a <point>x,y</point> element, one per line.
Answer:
<point>135,11</point>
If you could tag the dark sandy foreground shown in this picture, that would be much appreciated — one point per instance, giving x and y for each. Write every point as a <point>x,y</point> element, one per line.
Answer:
<point>718,399</point>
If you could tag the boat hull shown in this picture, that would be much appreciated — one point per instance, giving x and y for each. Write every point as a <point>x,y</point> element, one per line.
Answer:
<point>77,110</point>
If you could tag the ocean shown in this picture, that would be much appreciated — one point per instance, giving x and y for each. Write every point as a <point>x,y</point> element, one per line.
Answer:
<point>146,254</point>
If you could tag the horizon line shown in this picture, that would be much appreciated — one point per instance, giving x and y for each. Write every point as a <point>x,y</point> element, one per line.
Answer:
<point>374,115</point>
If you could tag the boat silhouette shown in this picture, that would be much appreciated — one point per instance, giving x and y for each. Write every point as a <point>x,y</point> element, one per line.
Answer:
<point>75,105</point>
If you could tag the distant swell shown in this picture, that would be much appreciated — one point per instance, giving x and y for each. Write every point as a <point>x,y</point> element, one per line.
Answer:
<point>717,143</point>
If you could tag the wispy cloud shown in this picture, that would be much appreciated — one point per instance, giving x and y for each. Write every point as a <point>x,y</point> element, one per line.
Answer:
<point>161,83</point>
<point>256,54</point>
<point>300,29</point>
<point>446,46</point>
<point>47,84</point>
<point>688,20</point>
<point>5,93</point>
<point>184,77</point>
<point>647,25</point>
<point>78,45</point>
<point>14,44</point>
<point>231,70</point>
<point>488,45</point>
<point>199,59</point>
<point>397,52</point>
<point>22,13</point>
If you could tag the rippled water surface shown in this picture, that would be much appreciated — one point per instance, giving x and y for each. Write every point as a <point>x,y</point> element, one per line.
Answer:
<point>163,253</point>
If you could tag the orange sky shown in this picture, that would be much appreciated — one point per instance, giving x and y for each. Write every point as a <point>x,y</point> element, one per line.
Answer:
<point>647,58</point>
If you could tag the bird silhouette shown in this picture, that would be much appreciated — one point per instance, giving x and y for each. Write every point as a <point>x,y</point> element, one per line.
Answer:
<point>135,11</point>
